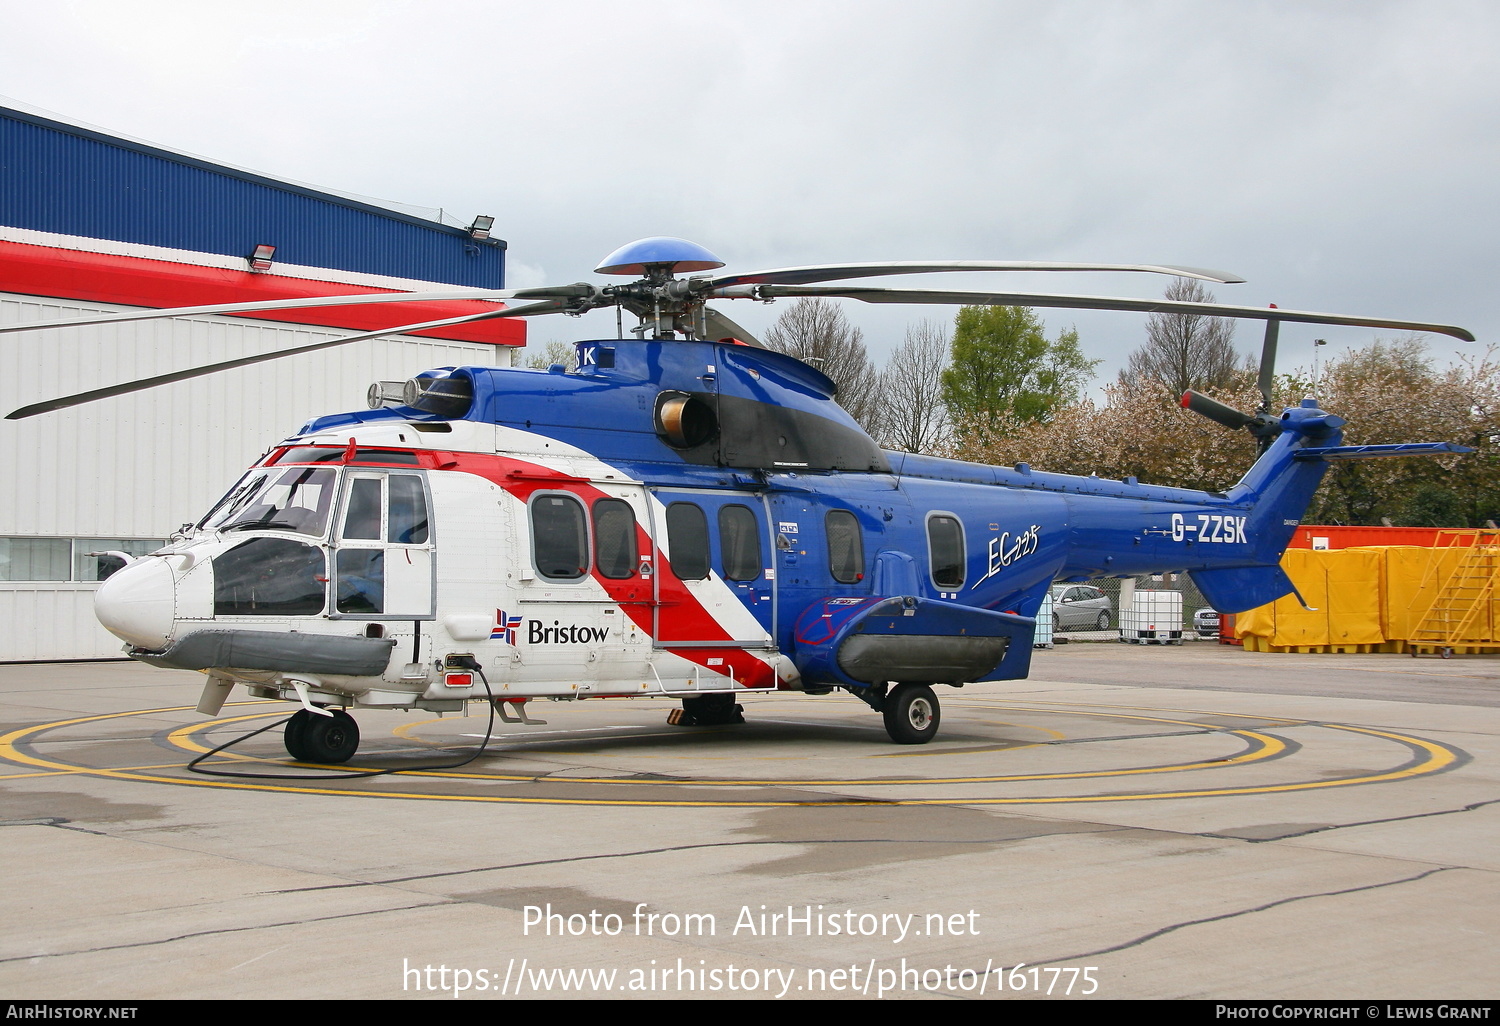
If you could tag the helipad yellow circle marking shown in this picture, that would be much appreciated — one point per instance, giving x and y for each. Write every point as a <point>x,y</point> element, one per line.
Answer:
<point>1265,746</point>
<point>1437,758</point>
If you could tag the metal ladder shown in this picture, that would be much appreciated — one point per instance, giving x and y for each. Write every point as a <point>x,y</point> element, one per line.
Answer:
<point>1464,598</point>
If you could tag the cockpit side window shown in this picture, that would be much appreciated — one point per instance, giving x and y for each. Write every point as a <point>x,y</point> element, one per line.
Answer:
<point>362,513</point>
<point>408,514</point>
<point>269,577</point>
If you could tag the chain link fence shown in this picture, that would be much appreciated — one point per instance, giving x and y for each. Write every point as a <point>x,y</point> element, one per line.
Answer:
<point>1119,591</point>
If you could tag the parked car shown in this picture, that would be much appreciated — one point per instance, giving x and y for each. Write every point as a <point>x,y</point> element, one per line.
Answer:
<point>1206,623</point>
<point>1080,607</point>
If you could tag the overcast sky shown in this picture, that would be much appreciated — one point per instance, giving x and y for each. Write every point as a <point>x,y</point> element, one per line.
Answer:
<point>1341,156</point>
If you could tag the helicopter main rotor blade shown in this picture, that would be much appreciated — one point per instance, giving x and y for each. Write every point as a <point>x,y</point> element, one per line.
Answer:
<point>140,384</point>
<point>575,291</point>
<point>836,272</point>
<point>720,326</point>
<point>877,295</point>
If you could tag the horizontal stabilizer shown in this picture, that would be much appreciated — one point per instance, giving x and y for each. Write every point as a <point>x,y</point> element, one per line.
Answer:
<point>1370,452</point>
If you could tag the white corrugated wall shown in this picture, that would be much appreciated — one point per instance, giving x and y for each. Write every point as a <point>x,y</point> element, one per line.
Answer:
<point>137,466</point>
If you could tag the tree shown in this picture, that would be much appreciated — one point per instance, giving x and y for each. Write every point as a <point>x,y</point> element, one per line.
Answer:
<point>1388,392</point>
<point>1135,432</point>
<point>816,332</point>
<point>553,352</point>
<point>1391,392</point>
<point>1005,372</point>
<point>1184,351</point>
<point>911,389</point>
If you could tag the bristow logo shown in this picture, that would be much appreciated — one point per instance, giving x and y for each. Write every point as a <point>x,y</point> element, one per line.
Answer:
<point>505,627</point>
<point>536,634</point>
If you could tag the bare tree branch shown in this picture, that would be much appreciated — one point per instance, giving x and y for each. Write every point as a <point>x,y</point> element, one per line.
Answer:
<point>915,419</point>
<point>1184,351</point>
<point>816,331</point>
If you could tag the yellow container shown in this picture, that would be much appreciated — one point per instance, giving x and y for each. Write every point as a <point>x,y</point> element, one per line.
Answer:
<point>1365,596</point>
<point>1343,589</point>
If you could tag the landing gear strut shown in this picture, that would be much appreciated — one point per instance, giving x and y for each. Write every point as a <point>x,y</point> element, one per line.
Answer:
<point>911,714</point>
<point>324,739</point>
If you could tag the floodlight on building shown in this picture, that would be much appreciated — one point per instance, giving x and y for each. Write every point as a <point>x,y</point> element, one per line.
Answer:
<point>480,229</point>
<point>260,260</point>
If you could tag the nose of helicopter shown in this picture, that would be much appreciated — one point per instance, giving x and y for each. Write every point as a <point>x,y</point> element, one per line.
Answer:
<point>136,603</point>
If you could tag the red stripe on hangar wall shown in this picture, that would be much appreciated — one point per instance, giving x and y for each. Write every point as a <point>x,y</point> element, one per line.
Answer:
<point>137,281</point>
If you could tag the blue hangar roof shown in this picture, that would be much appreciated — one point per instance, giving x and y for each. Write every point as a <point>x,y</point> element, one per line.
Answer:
<point>56,177</point>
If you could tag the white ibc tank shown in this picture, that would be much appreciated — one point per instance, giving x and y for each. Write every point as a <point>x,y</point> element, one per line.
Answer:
<point>1043,636</point>
<point>1153,617</point>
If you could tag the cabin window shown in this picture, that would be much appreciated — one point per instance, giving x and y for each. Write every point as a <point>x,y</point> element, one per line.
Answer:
<point>945,551</point>
<point>559,537</point>
<point>362,515</point>
<point>361,581</point>
<point>269,577</point>
<point>614,539</point>
<point>846,549</point>
<point>739,543</point>
<point>408,519</point>
<point>687,541</point>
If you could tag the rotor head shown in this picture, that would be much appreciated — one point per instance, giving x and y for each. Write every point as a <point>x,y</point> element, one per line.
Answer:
<point>661,255</point>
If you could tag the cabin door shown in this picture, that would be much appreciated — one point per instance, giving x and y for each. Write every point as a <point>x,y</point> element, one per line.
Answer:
<point>716,585</point>
<point>383,554</point>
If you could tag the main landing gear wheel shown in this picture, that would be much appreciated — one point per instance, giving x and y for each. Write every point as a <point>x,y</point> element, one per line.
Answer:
<point>291,734</point>
<point>707,711</point>
<point>325,739</point>
<point>911,714</point>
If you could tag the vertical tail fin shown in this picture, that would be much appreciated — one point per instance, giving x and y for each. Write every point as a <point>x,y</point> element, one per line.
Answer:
<point>1279,487</point>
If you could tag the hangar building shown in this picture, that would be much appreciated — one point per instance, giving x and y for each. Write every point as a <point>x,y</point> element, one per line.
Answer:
<point>93,223</point>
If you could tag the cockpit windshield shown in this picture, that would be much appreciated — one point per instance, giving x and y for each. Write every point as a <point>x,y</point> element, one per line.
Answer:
<point>296,499</point>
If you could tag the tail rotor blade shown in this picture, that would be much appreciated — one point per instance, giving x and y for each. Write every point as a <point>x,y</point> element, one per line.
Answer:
<point>1215,410</point>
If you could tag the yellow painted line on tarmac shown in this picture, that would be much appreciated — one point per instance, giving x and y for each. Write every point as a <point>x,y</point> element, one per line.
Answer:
<point>1437,758</point>
<point>969,750</point>
<point>1263,746</point>
<point>998,746</point>
<point>46,773</point>
<point>1273,721</point>
<point>1059,735</point>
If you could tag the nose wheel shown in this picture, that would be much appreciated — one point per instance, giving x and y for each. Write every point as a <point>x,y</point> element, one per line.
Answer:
<point>323,739</point>
<point>911,714</point>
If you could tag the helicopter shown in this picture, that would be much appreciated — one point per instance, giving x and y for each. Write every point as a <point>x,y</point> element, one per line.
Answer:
<point>682,514</point>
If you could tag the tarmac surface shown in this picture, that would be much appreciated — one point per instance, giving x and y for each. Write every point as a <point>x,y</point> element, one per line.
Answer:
<point>1131,822</point>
